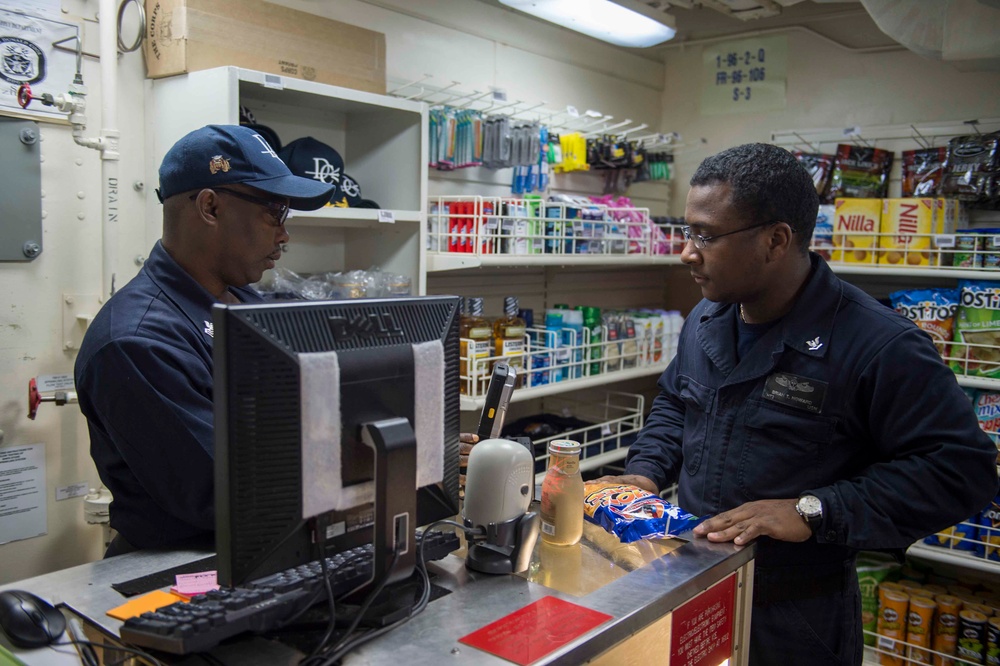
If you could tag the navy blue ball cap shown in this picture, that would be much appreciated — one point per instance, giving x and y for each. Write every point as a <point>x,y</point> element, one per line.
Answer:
<point>229,154</point>
<point>311,158</point>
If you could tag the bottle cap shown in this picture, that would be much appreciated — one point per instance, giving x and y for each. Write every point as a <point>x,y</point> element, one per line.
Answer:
<point>565,447</point>
<point>510,306</point>
<point>475,306</point>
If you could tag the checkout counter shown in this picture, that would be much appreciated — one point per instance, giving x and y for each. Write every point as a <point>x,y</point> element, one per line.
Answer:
<point>666,602</point>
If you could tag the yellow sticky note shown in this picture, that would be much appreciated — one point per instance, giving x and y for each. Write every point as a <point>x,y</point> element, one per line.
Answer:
<point>147,602</point>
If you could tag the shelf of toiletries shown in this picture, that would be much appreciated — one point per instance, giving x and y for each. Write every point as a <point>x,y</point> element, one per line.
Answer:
<point>572,354</point>
<point>473,231</point>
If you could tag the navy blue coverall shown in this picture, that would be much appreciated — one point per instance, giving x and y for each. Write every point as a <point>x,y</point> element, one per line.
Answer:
<point>144,382</point>
<point>844,399</point>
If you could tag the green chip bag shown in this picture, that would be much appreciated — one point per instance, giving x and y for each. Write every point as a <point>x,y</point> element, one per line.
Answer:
<point>977,328</point>
<point>871,573</point>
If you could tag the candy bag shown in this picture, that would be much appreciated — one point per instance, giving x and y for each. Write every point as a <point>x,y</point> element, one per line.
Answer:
<point>631,513</point>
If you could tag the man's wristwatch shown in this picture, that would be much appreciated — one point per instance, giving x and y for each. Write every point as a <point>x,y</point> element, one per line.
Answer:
<point>810,508</point>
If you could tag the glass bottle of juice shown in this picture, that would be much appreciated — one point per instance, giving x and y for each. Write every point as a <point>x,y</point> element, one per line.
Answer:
<point>562,495</point>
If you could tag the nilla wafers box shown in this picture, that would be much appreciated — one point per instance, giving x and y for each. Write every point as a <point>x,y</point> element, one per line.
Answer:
<point>907,225</point>
<point>856,225</point>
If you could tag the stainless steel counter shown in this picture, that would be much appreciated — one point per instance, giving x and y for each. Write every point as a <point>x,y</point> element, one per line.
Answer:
<point>635,584</point>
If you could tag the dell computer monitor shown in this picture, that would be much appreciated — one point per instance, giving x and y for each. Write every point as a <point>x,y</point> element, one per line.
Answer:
<point>301,391</point>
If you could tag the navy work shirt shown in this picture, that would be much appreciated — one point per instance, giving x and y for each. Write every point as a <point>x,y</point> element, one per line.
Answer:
<point>144,382</point>
<point>844,399</point>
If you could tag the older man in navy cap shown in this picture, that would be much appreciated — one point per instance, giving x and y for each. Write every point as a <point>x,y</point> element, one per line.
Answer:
<point>144,372</point>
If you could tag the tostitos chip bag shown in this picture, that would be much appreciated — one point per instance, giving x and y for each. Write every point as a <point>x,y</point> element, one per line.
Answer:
<point>977,325</point>
<point>932,310</point>
<point>631,513</point>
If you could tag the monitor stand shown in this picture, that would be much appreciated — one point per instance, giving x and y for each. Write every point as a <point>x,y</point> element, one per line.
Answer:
<point>395,446</point>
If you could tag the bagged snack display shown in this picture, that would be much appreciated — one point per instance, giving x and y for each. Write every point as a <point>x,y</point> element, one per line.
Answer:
<point>972,168</point>
<point>932,310</point>
<point>987,404</point>
<point>819,167</point>
<point>632,513</point>
<point>907,225</point>
<point>860,172</point>
<point>855,230</point>
<point>977,326</point>
<point>922,171</point>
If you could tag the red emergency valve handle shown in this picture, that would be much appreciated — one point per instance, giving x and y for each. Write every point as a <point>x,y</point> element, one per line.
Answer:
<point>34,400</point>
<point>24,98</point>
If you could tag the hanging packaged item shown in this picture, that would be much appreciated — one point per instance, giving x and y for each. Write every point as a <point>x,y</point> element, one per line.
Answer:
<point>972,168</point>
<point>820,167</point>
<point>860,172</point>
<point>922,171</point>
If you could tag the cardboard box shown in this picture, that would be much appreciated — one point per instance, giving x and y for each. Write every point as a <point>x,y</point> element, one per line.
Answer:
<point>855,230</point>
<point>907,225</point>
<point>188,35</point>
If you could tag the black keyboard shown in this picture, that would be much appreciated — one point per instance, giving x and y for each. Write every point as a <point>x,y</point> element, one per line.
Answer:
<point>263,604</point>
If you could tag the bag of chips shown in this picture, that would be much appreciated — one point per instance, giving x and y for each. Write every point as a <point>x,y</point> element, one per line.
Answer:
<point>932,310</point>
<point>631,513</point>
<point>977,327</point>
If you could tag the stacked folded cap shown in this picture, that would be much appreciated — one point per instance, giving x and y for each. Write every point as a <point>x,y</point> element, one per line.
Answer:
<point>311,158</point>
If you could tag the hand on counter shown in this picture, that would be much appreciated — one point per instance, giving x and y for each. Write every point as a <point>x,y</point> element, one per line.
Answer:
<point>630,480</point>
<point>777,519</point>
<point>466,440</point>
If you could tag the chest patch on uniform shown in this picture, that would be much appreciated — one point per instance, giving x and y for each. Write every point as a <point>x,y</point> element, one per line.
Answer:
<point>795,391</point>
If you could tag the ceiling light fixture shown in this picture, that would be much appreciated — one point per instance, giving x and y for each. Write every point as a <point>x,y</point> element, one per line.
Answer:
<point>621,22</point>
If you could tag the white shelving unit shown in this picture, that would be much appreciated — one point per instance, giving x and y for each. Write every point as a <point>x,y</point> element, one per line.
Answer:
<point>382,140</point>
<point>475,404</point>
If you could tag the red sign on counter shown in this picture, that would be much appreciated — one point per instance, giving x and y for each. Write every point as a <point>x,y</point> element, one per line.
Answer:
<point>701,630</point>
<point>536,630</point>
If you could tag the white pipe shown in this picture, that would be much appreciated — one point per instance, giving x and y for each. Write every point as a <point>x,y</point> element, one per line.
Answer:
<point>109,139</point>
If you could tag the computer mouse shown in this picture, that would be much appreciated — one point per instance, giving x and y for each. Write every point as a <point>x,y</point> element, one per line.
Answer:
<point>29,621</point>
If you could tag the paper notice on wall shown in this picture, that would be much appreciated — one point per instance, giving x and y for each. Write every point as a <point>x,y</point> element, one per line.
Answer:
<point>22,492</point>
<point>745,76</point>
<point>29,56</point>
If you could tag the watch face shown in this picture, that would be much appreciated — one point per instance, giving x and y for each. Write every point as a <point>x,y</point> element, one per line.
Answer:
<point>810,505</point>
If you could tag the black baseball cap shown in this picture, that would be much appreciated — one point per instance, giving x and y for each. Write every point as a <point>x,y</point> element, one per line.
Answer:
<point>230,154</point>
<point>311,158</point>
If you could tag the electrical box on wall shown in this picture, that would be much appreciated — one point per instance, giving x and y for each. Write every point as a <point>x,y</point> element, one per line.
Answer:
<point>20,190</point>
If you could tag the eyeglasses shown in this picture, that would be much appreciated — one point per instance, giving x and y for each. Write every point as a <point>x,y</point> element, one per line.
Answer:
<point>701,242</point>
<point>277,210</point>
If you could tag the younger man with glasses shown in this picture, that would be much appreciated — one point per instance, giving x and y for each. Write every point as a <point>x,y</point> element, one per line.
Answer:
<point>802,414</point>
<point>144,372</point>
